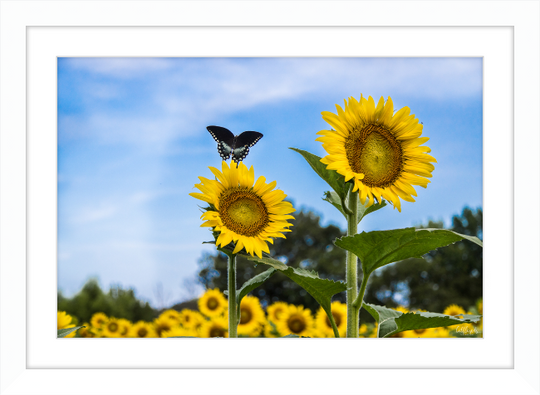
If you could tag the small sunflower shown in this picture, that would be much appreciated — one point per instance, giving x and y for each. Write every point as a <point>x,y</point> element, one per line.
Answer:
<point>163,324</point>
<point>322,323</point>
<point>142,329</point>
<point>378,150</point>
<point>212,303</point>
<point>296,320</point>
<point>275,310</point>
<point>454,310</point>
<point>252,317</point>
<point>64,321</point>
<point>243,211</point>
<point>125,326</point>
<point>190,319</point>
<point>98,320</point>
<point>216,327</point>
<point>172,315</point>
<point>111,328</point>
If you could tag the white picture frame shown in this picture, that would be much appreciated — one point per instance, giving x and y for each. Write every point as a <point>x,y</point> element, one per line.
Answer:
<point>34,33</point>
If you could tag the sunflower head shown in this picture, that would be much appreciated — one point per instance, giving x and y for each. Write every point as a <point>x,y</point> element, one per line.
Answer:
<point>296,320</point>
<point>275,310</point>
<point>142,329</point>
<point>454,310</point>
<point>243,211</point>
<point>190,319</point>
<point>163,323</point>
<point>378,151</point>
<point>99,320</point>
<point>172,315</point>
<point>213,303</point>
<point>252,318</point>
<point>111,328</point>
<point>216,327</point>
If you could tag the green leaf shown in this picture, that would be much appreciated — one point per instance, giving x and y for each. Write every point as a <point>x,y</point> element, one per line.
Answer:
<point>392,321</point>
<point>66,331</point>
<point>379,248</point>
<point>334,199</point>
<point>332,177</point>
<point>321,289</point>
<point>250,285</point>
<point>362,210</point>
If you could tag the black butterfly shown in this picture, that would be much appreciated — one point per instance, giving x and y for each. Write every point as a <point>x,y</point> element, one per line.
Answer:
<point>229,144</point>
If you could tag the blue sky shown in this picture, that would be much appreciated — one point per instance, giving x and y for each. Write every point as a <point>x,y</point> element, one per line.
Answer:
<point>132,141</point>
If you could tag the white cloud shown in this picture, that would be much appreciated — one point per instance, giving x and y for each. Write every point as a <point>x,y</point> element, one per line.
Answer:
<point>160,100</point>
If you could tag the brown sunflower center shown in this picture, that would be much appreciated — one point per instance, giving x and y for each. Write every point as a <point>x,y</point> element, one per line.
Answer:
<point>245,316</point>
<point>337,319</point>
<point>419,331</point>
<point>212,304</point>
<point>217,331</point>
<point>243,211</point>
<point>142,332</point>
<point>296,323</point>
<point>374,151</point>
<point>113,327</point>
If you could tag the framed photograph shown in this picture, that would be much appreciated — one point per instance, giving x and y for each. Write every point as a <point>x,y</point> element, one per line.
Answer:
<point>47,45</point>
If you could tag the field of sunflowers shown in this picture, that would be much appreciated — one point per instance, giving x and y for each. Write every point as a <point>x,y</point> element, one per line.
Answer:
<point>277,320</point>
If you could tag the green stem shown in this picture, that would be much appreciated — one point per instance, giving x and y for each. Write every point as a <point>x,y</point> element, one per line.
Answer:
<point>231,275</point>
<point>357,304</point>
<point>352,270</point>
<point>333,323</point>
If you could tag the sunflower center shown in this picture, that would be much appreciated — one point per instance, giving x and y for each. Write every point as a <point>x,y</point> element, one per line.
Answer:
<point>373,151</point>
<point>142,332</point>
<point>296,324</point>
<point>245,316</point>
<point>113,327</point>
<point>217,331</point>
<point>337,319</point>
<point>419,331</point>
<point>212,304</point>
<point>243,211</point>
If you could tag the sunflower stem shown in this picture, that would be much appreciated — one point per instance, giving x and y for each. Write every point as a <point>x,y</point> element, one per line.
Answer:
<point>352,270</point>
<point>231,275</point>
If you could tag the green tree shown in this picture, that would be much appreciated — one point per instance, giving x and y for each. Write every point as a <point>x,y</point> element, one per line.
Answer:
<point>117,303</point>
<point>309,246</point>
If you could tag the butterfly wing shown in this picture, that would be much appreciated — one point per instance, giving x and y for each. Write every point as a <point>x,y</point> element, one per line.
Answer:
<point>243,143</point>
<point>225,140</point>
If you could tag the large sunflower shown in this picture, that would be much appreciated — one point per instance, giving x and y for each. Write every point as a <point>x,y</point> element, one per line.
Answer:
<point>322,322</point>
<point>252,317</point>
<point>243,211</point>
<point>378,150</point>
